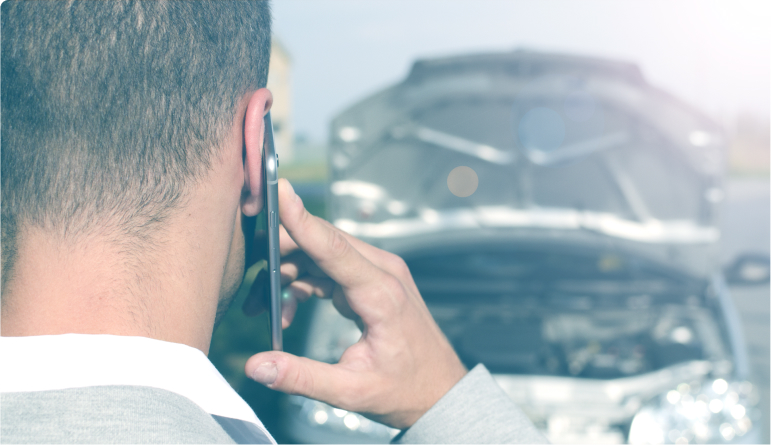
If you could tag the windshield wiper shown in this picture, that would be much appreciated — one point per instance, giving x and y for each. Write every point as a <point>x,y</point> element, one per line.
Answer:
<point>502,157</point>
<point>577,150</point>
<point>455,143</point>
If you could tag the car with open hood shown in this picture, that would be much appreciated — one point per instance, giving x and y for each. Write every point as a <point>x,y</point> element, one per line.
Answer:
<point>578,262</point>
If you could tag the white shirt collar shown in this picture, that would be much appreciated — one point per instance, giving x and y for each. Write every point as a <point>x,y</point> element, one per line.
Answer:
<point>51,362</point>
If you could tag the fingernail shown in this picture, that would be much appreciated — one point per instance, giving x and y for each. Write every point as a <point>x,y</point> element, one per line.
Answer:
<point>265,373</point>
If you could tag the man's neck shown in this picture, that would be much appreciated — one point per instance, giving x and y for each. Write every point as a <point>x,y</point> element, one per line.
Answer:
<point>93,287</point>
<point>169,290</point>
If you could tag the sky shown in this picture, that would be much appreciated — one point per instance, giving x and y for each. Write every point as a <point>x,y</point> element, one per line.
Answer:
<point>714,54</point>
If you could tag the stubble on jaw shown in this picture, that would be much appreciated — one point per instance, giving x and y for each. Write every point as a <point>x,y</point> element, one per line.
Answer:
<point>234,271</point>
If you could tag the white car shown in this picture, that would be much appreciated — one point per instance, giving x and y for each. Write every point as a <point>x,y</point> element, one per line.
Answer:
<point>575,254</point>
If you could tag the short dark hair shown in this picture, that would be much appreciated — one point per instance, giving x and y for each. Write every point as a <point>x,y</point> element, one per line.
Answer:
<point>111,109</point>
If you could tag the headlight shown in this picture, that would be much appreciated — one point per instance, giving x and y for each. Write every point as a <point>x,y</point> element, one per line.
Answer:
<point>710,412</point>
<point>320,415</point>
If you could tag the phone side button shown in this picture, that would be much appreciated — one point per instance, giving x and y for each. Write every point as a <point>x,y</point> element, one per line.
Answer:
<point>273,222</point>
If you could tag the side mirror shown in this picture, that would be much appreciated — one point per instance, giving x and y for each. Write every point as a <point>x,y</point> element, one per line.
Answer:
<point>749,268</point>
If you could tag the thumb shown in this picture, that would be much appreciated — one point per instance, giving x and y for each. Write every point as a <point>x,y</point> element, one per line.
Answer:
<point>302,376</point>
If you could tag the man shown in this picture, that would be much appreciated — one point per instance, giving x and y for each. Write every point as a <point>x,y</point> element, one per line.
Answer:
<point>131,152</point>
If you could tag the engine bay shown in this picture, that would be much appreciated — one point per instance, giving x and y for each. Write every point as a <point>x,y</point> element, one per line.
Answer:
<point>597,343</point>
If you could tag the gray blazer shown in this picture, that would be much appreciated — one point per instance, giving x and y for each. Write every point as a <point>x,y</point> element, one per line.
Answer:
<point>107,414</point>
<point>476,410</point>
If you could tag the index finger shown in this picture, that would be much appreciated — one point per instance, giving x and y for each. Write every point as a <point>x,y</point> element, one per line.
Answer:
<point>324,244</point>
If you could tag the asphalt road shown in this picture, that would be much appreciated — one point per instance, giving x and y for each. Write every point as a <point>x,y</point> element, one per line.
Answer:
<point>745,228</point>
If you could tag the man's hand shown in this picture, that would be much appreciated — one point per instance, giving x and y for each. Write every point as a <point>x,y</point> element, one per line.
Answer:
<point>403,363</point>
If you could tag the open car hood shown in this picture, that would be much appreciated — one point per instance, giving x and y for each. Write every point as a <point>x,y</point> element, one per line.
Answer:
<point>559,144</point>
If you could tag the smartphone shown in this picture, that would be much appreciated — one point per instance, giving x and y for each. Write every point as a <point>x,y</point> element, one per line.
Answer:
<point>273,255</point>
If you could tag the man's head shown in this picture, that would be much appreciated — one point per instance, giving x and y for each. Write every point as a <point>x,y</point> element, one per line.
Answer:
<point>114,112</point>
<point>111,110</point>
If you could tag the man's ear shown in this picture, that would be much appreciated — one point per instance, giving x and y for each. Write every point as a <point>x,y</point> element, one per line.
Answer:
<point>254,133</point>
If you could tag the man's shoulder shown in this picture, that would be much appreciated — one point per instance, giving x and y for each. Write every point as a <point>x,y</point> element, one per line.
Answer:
<point>100,414</point>
<point>108,388</point>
